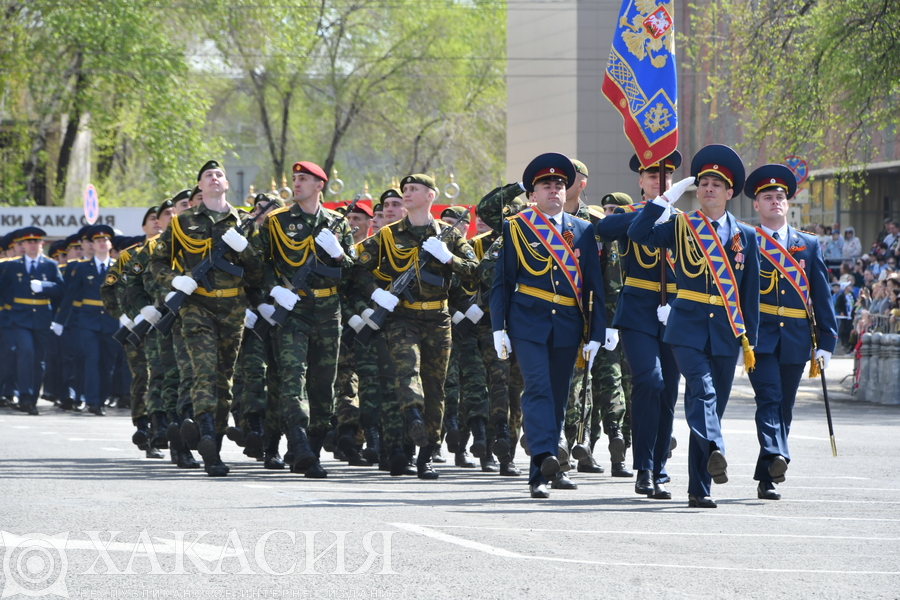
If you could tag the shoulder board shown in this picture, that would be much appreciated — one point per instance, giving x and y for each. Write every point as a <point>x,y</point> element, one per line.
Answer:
<point>480,235</point>
<point>807,232</point>
<point>332,213</point>
<point>278,211</point>
<point>596,212</point>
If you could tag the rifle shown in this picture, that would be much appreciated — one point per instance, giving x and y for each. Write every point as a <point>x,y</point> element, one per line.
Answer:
<point>582,450</point>
<point>312,265</point>
<point>813,331</point>
<point>400,286</point>
<point>200,273</point>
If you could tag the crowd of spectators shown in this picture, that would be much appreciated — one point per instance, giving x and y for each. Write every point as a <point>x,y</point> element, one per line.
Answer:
<point>865,287</point>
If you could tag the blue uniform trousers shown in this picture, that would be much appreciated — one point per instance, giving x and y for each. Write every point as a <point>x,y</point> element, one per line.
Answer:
<point>8,362</point>
<point>547,373</point>
<point>73,362</point>
<point>708,380</point>
<point>99,359</point>
<point>775,385</point>
<point>30,347</point>
<point>654,381</point>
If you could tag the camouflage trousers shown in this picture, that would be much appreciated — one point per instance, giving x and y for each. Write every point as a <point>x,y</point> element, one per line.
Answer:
<point>307,348</point>
<point>157,372</point>
<point>378,390</point>
<point>170,380</point>
<point>346,386</point>
<point>183,374</point>
<point>505,383</point>
<point>606,406</point>
<point>140,376</point>
<point>212,329</point>
<point>465,389</point>
<point>419,343</point>
<point>257,388</point>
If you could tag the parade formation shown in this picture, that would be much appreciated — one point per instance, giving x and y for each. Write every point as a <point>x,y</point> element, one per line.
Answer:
<point>380,333</point>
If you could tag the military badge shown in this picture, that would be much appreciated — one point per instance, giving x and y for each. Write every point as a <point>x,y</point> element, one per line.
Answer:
<point>736,243</point>
<point>795,249</point>
<point>365,257</point>
<point>568,236</point>
<point>292,227</point>
<point>110,279</point>
<point>470,254</point>
<point>193,227</point>
<point>137,268</point>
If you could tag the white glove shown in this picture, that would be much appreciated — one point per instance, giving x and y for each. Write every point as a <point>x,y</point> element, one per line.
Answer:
<point>612,339</point>
<point>184,284</point>
<point>662,313</point>
<point>284,297</point>
<point>267,310</point>
<point>125,321</point>
<point>329,243</point>
<point>825,356</point>
<point>150,314</point>
<point>356,323</point>
<point>138,320</point>
<point>474,313</point>
<point>740,361</point>
<point>457,317</point>
<point>437,249</point>
<point>502,345</point>
<point>250,319</point>
<point>237,242</point>
<point>665,216</point>
<point>56,328</point>
<point>385,299</point>
<point>367,317</point>
<point>672,195</point>
<point>36,286</point>
<point>589,352</point>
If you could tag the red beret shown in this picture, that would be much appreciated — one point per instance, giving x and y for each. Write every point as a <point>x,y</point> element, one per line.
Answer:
<point>310,168</point>
<point>362,208</point>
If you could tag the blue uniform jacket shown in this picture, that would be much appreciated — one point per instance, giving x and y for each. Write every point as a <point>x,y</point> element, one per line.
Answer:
<point>535,319</point>
<point>84,286</point>
<point>695,324</point>
<point>635,304</point>
<point>794,335</point>
<point>27,309</point>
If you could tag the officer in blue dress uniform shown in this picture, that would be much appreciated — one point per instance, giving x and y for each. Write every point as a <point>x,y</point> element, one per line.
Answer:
<point>31,283</point>
<point>96,325</point>
<point>547,270</point>
<point>793,277</point>
<point>7,342</point>
<point>654,371</point>
<point>714,317</point>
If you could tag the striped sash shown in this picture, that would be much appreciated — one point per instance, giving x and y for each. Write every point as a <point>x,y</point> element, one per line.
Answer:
<point>559,249</point>
<point>784,263</point>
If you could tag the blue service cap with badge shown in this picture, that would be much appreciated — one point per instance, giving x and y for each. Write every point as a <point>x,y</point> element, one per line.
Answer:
<point>673,161</point>
<point>6,241</point>
<point>101,231</point>
<point>56,248</point>
<point>84,232</point>
<point>29,233</point>
<point>720,161</point>
<point>210,164</point>
<point>73,241</point>
<point>771,177</point>
<point>551,166</point>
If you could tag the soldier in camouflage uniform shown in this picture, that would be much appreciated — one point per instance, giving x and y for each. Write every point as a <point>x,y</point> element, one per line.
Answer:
<point>418,329</point>
<point>212,321</point>
<point>308,342</point>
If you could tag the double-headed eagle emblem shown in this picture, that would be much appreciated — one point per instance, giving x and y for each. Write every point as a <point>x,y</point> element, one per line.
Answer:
<point>651,32</point>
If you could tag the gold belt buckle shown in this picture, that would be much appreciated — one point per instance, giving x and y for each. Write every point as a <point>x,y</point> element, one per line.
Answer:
<point>780,311</point>
<point>556,298</point>
<point>712,299</point>
<point>218,293</point>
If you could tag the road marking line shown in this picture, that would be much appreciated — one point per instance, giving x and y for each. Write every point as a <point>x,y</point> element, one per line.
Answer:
<point>495,551</point>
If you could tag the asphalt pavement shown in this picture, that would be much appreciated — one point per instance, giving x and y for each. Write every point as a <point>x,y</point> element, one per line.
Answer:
<point>84,515</point>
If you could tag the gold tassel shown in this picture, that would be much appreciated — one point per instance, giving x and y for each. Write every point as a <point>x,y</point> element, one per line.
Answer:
<point>749,357</point>
<point>580,362</point>
<point>814,368</point>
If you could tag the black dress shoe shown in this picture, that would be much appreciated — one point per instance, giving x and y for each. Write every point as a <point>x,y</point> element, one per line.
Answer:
<point>619,469</point>
<point>589,465</point>
<point>644,483</point>
<point>717,467</point>
<point>539,490</point>
<point>32,409</point>
<point>98,410</point>
<point>561,481</point>
<point>701,501</point>
<point>777,468</point>
<point>660,493</point>
<point>509,469</point>
<point>550,466</point>
<point>766,491</point>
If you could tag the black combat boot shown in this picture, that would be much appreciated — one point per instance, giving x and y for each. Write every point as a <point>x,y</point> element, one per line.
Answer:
<point>151,452</point>
<point>509,469</point>
<point>160,425</point>
<point>209,446</point>
<point>272,457</point>
<point>190,433</point>
<point>347,445</point>
<point>462,458</point>
<point>501,446</point>
<point>488,464</point>
<point>451,426</point>
<point>399,462</point>
<point>479,437</point>
<point>236,434</point>
<point>186,460</point>
<point>372,453</point>
<point>415,426</point>
<point>141,436</point>
<point>617,453</point>
<point>253,436</point>
<point>316,471</point>
<point>173,434</point>
<point>329,443</point>
<point>299,446</point>
<point>423,463</point>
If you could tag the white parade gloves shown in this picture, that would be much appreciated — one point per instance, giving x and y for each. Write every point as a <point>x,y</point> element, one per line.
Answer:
<point>474,313</point>
<point>385,299</point>
<point>457,317</point>
<point>150,314</point>
<point>672,195</point>
<point>36,286</point>
<point>250,319</point>
<point>825,355</point>
<point>356,322</point>
<point>366,316</point>
<point>590,350</point>
<point>662,313</point>
<point>266,311</point>
<point>665,216</point>
<point>329,243</point>
<point>502,344</point>
<point>126,322</point>
<point>184,284</point>
<point>56,328</point>
<point>612,339</point>
<point>234,239</point>
<point>284,297</point>
<point>437,249</point>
